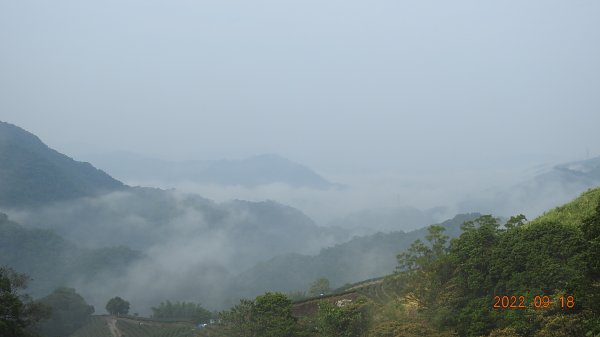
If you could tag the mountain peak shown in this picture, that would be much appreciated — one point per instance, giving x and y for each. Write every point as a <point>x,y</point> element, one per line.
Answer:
<point>31,173</point>
<point>252,171</point>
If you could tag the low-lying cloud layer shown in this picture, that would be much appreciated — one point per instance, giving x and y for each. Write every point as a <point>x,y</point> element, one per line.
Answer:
<point>381,191</point>
<point>191,245</point>
<point>194,247</point>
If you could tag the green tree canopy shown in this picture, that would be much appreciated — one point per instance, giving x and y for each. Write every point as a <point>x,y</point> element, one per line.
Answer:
<point>424,266</point>
<point>319,287</point>
<point>69,312</point>
<point>269,315</point>
<point>452,287</point>
<point>17,311</point>
<point>349,320</point>
<point>117,306</point>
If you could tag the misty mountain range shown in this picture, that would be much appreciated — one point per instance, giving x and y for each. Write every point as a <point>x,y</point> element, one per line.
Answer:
<point>208,241</point>
<point>547,188</point>
<point>53,261</point>
<point>359,259</point>
<point>31,173</point>
<point>151,244</point>
<point>250,172</point>
<point>369,221</point>
<point>583,173</point>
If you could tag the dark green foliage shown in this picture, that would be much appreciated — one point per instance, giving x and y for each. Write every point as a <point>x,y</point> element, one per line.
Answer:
<point>33,174</point>
<point>406,329</point>
<point>515,221</point>
<point>182,311</point>
<point>591,235</point>
<point>273,315</point>
<point>563,326</point>
<point>454,288</point>
<point>269,315</point>
<point>69,313</point>
<point>237,322</point>
<point>421,255</point>
<point>117,306</point>
<point>506,332</point>
<point>52,261</point>
<point>349,320</point>
<point>424,266</point>
<point>542,257</point>
<point>17,311</point>
<point>473,250</point>
<point>359,259</point>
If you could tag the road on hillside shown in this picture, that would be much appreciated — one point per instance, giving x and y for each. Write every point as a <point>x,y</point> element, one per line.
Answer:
<point>114,330</point>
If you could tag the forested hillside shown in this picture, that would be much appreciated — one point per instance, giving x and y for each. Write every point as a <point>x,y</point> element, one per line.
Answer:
<point>210,168</point>
<point>31,173</point>
<point>441,287</point>
<point>547,187</point>
<point>541,275</point>
<point>358,259</point>
<point>521,279</point>
<point>51,261</point>
<point>517,279</point>
<point>250,172</point>
<point>53,197</point>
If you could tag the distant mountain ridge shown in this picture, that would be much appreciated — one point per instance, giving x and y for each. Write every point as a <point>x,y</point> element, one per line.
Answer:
<point>371,221</point>
<point>359,259</point>
<point>62,200</point>
<point>547,188</point>
<point>31,173</point>
<point>53,261</point>
<point>584,172</point>
<point>250,172</point>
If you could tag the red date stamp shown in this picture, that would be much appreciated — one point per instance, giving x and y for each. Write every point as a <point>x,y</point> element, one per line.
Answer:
<point>538,302</point>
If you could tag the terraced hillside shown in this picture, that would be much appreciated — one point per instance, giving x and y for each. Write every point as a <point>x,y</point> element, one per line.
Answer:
<point>97,327</point>
<point>378,290</point>
<point>110,326</point>
<point>309,307</point>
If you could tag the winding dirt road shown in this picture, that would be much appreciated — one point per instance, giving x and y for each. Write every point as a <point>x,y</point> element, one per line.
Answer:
<point>112,326</point>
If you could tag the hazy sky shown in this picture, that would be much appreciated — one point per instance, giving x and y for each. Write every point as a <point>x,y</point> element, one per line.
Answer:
<point>332,84</point>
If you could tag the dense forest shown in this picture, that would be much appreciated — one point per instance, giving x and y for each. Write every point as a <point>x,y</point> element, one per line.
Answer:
<point>55,261</point>
<point>519,278</point>
<point>361,258</point>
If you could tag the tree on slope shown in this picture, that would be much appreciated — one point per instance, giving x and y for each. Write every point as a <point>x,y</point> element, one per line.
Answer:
<point>319,287</point>
<point>17,311</point>
<point>69,312</point>
<point>269,315</point>
<point>117,306</point>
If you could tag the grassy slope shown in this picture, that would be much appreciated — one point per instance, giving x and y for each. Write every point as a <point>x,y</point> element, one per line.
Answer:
<point>98,326</point>
<point>131,328</point>
<point>574,212</point>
